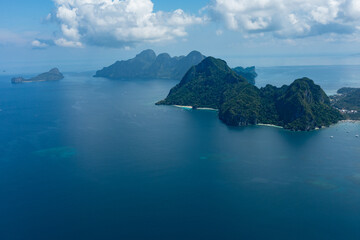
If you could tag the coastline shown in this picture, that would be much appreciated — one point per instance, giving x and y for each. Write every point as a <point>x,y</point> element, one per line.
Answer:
<point>191,107</point>
<point>268,125</point>
<point>28,81</point>
<point>264,124</point>
<point>350,121</point>
<point>36,81</point>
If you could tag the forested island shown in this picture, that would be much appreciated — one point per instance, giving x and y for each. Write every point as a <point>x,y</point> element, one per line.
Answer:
<point>148,65</point>
<point>248,73</point>
<point>301,106</point>
<point>52,75</point>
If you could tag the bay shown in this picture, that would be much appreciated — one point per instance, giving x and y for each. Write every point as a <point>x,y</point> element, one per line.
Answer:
<point>90,158</point>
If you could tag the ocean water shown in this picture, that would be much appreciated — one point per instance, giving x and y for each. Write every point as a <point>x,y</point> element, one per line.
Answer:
<point>90,158</point>
<point>330,78</point>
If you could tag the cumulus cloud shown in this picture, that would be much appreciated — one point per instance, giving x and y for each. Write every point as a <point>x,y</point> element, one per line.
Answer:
<point>42,43</point>
<point>288,18</point>
<point>117,23</point>
<point>38,44</point>
<point>66,43</point>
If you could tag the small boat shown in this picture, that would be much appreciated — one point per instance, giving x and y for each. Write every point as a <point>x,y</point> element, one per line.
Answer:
<point>357,136</point>
<point>331,136</point>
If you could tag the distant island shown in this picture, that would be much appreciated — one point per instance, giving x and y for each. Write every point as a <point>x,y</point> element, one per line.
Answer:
<point>52,75</point>
<point>347,101</point>
<point>301,106</point>
<point>248,73</point>
<point>146,65</point>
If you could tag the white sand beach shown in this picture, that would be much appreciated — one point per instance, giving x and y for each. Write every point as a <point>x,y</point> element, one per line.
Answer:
<point>191,107</point>
<point>268,125</point>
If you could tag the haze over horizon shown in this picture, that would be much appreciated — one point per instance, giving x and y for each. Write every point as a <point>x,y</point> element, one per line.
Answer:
<point>81,35</point>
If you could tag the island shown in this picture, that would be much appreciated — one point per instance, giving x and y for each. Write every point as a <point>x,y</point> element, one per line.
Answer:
<point>147,65</point>
<point>301,106</point>
<point>248,73</point>
<point>347,101</point>
<point>52,75</point>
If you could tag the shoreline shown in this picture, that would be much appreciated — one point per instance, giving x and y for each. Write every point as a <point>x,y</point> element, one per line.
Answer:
<point>27,81</point>
<point>350,121</point>
<point>269,125</point>
<point>199,108</point>
<point>264,124</point>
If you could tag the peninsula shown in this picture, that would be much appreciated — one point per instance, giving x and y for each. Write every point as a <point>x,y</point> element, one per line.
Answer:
<point>301,106</point>
<point>347,101</point>
<point>52,75</point>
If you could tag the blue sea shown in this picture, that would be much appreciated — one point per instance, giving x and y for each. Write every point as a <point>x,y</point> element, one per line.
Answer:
<point>91,158</point>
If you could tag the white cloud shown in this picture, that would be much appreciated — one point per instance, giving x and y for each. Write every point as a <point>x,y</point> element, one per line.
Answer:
<point>66,43</point>
<point>33,39</point>
<point>38,44</point>
<point>118,23</point>
<point>288,18</point>
<point>48,17</point>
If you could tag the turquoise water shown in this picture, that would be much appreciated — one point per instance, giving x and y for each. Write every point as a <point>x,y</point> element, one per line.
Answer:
<point>87,158</point>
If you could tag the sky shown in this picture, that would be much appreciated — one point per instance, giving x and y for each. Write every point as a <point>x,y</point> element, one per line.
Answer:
<point>84,35</point>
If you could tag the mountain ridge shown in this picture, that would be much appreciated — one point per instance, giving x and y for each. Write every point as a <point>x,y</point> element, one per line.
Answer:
<point>147,65</point>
